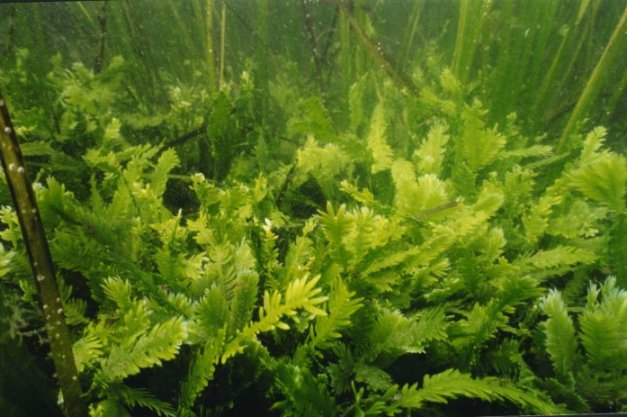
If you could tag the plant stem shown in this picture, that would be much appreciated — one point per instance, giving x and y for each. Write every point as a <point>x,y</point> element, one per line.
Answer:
<point>416,13</point>
<point>311,36</point>
<point>402,80</point>
<point>102,37</point>
<point>548,79</point>
<point>209,56</point>
<point>222,45</point>
<point>41,265</point>
<point>592,86</point>
<point>472,18</point>
<point>10,36</point>
<point>345,54</point>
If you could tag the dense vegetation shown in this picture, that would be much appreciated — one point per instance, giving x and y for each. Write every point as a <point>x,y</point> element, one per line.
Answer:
<point>295,209</point>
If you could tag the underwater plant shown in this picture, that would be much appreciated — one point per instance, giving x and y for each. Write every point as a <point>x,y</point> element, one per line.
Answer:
<point>321,214</point>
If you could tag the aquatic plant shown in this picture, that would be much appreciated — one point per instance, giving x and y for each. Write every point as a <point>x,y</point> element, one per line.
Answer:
<point>356,234</point>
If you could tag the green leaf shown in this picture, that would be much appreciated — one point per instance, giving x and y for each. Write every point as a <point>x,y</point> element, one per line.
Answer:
<point>201,370</point>
<point>451,383</point>
<point>88,349</point>
<point>342,305</point>
<point>305,395</point>
<point>311,118</point>
<point>160,344</point>
<point>159,177</point>
<point>300,294</point>
<point>603,329</point>
<point>382,153</point>
<point>141,397</point>
<point>430,155</point>
<point>560,256</point>
<point>480,146</point>
<point>603,180</point>
<point>561,343</point>
<point>119,291</point>
<point>414,196</point>
<point>394,334</point>
<point>536,220</point>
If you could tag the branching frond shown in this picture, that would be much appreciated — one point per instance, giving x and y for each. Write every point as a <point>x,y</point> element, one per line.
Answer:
<point>159,344</point>
<point>342,305</point>
<point>561,343</point>
<point>300,294</point>
<point>451,383</point>
<point>382,153</point>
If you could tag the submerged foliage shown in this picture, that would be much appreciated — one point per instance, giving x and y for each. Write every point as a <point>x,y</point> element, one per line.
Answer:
<point>246,250</point>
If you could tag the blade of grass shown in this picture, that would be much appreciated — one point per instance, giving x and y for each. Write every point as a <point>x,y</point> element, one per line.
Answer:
<point>595,80</point>
<point>416,13</point>
<point>472,18</point>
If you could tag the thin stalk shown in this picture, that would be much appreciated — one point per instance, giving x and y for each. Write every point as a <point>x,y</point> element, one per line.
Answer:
<point>86,15</point>
<point>460,39</point>
<point>591,88</point>
<point>416,13</point>
<point>402,80</point>
<point>285,185</point>
<point>472,19</point>
<point>263,53</point>
<point>583,6</point>
<point>222,45</point>
<point>583,34</point>
<point>311,36</point>
<point>549,77</point>
<point>41,264</point>
<point>185,137</point>
<point>40,33</point>
<point>102,37</point>
<point>509,47</point>
<point>139,47</point>
<point>345,53</point>
<point>543,48</point>
<point>10,35</point>
<point>209,54</point>
<point>324,56</point>
<point>246,25</point>
<point>183,26</point>
<point>610,107</point>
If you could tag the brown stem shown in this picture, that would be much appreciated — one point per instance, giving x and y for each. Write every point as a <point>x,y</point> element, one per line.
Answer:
<point>247,25</point>
<point>311,36</point>
<point>286,182</point>
<point>41,265</point>
<point>102,37</point>
<point>401,79</point>
<point>187,136</point>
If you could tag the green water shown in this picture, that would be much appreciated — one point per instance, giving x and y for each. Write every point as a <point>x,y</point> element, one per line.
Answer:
<point>318,208</point>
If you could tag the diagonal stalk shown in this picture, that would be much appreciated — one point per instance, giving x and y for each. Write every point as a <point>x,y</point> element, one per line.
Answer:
<point>400,78</point>
<point>311,36</point>
<point>592,85</point>
<point>41,265</point>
